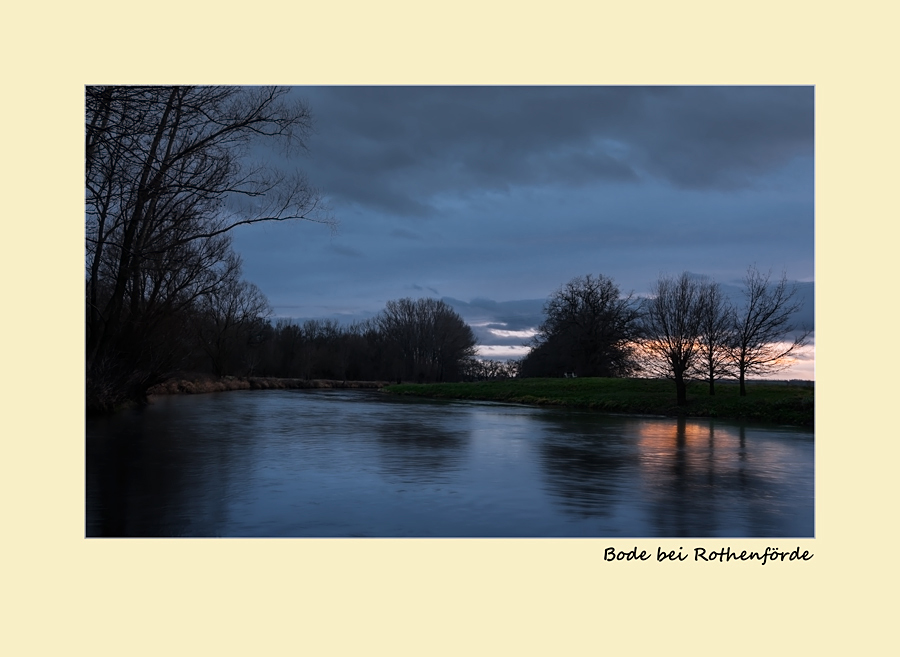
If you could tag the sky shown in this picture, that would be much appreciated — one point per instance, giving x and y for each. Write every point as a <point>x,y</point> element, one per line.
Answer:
<point>492,198</point>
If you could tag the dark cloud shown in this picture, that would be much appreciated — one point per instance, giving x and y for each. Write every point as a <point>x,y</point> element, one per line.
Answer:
<point>399,149</point>
<point>725,137</point>
<point>485,314</point>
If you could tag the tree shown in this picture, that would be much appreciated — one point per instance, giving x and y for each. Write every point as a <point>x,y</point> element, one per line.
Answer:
<point>485,369</point>
<point>590,329</point>
<point>716,334</point>
<point>425,339</point>
<point>229,323</point>
<point>671,329</point>
<point>326,348</point>
<point>166,178</point>
<point>288,348</point>
<point>764,336</point>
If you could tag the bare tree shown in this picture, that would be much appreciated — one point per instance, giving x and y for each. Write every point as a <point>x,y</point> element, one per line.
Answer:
<point>428,339</point>
<point>486,369</point>
<point>167,176</point>
<point>764,336</point>
<point>671,329</point>
<point>716,334</point>
<point>288,347</point>
<point>229,322</point>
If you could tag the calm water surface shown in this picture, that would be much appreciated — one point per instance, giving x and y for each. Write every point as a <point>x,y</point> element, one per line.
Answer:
<point>335,463</point>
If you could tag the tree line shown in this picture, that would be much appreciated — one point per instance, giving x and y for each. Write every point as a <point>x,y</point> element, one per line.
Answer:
<point>685,329</point>
<point>414,340</point>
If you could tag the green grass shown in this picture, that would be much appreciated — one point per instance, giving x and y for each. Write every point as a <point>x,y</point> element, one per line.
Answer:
<point>778,403</point>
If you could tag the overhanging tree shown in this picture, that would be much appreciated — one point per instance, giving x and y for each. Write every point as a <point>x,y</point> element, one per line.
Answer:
<point>167,177</point>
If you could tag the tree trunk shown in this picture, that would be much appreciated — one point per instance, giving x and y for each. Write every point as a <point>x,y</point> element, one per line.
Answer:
<point>681,391</point>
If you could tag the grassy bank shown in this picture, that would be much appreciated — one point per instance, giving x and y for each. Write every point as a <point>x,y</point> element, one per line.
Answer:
<point>778,403</point>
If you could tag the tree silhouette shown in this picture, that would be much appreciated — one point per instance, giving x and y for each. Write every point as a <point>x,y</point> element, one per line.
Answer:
<point>764,336</point>
<point>426,339</point>
<point>671,329</point>
<point>589,330</point>
<point>716,334</point>
<point>167,176</point>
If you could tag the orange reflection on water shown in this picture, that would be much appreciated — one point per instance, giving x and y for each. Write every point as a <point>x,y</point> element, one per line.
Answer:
<point>700,449</point>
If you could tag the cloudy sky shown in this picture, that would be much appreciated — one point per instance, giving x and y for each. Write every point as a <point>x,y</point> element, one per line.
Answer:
<point>493,197</point>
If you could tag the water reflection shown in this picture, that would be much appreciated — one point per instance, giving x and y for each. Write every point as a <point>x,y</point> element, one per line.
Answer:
<point>679,470</point>
<point>583,462</point>
<point>147,476</point>
<point>418,450</point>
<point>348,463</point>
<point>704,479</point>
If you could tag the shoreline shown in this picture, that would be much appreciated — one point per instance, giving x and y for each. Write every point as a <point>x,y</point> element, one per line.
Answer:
<point>193,386</point>
<point>780,402</point>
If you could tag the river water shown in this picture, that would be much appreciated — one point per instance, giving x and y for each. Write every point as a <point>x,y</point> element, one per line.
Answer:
<point>352,463</point>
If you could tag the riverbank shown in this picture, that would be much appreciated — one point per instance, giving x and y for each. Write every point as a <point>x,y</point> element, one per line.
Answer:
<point>200,385</point>
<point>777,402</point>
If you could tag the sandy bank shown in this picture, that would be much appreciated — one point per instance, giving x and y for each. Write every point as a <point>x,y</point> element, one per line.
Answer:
<point>198,386</point>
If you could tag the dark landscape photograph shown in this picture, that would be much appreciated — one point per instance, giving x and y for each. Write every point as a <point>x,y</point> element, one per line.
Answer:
<point>450,311</point>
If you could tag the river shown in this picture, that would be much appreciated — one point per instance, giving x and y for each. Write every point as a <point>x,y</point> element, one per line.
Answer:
<point>351,463</point>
